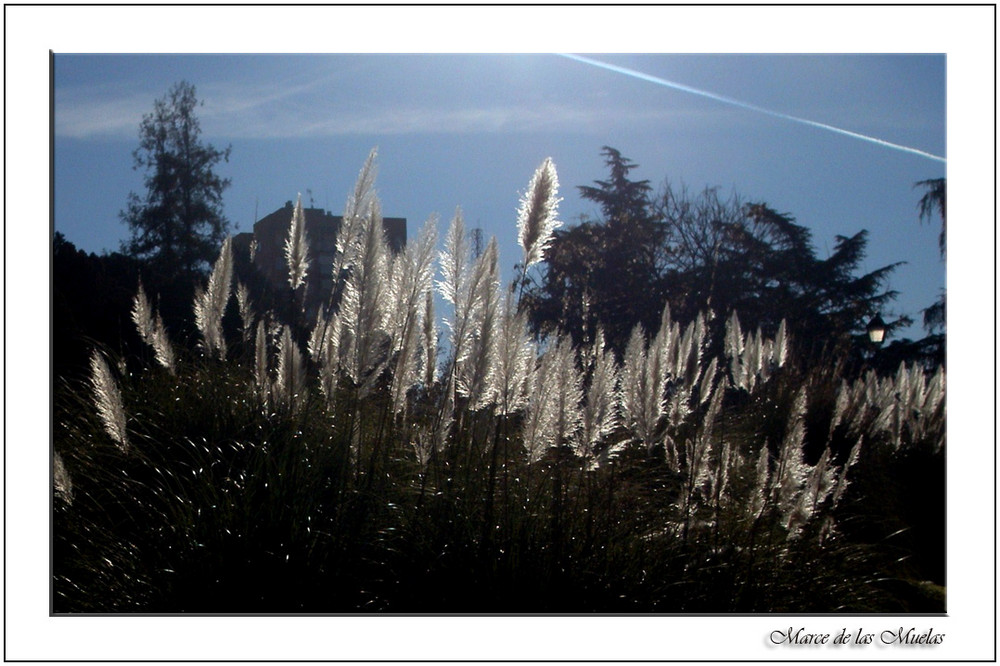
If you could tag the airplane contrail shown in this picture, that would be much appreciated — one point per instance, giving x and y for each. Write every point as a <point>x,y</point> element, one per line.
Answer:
<point>748,107</point>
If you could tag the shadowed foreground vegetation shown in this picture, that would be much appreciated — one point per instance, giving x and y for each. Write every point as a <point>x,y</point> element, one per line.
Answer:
<point>354,464</point>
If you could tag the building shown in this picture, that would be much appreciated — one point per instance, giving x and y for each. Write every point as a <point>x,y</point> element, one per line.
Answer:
<point>271,231</point>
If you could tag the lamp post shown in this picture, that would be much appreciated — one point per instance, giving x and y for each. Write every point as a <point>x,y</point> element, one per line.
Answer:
<point>876,330</point>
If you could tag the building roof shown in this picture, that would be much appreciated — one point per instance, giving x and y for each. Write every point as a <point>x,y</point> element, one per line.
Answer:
<point>319,221</point>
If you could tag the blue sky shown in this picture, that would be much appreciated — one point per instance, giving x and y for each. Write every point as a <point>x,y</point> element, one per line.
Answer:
<point>468,130</point>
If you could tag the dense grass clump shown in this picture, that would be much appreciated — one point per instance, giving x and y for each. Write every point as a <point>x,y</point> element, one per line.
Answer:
<point>345,461</point>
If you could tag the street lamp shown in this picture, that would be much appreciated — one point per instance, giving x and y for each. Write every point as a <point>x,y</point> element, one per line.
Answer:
<point>876,330</point>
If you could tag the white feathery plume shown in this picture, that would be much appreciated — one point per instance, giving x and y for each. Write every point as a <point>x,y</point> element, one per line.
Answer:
<point>142,315</point>
<point>661,359</point>
<point>152,331</point>
<point>753,359</point>
<point>882,402</point>
<point>246,309</point>
<point>911,402</point>
<point>539,425</point>
<point>780,349</point>
<point>402,323</point>
<point>792,472</point>
<point>715,493</point>
<point>569,394</point>
<point>934,396</point>
<point>329,371</point>
<point>162,348</point>
<point>297,247</point>
<point>290,382</point>
<point>210,304</point>
<point>685,370</point>
<point>322,349</point>
<point>515,358</point>
<point>707,381</point>
<point>108,400</point>
<point>632,363</point>
<point>413,272</point>
<point>906,406</point>
<point>691,350</point>
<point>429,341</point>
<point>840,407</point>
<point>363,195</point>
<point>903,379</point>
<point>363,308</point>
<point>665,345</point>
<point>463,288</point>
<point>553,415</point>
<point>842,482</point>
<point>478,376</point>
<point>445,418</point>
<point>600,413</point>
<point>260,358</point>
<point>917,386</point>
<point>317,338</point>
<point>61,481</point>
<point>762,480</point>
<point>934,410</point>
<point>684,349</point>
<point>356,212</point>
<point>734,337</point>
<point>645,374</point>
<point>698,449</point>
<point>454,261</point>
<point>698,468</point>
<point>406,371</point>
<point>536,215</point>
<point>641,405</point>
<point>767,359</point>
<point>734,350</point>
<point>820,482</point>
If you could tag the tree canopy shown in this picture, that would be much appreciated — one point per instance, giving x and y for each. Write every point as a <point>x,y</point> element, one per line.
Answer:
<point>178,224</point>
<point>606,270</point>
<point>935,199</point>
<point>701,253</point>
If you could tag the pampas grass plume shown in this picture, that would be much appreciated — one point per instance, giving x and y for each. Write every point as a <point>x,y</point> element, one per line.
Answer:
<point>536,216</point>
<point>152,331</point>
<point>108,400</point>
<point>210,303</point>
<point>297,247</point>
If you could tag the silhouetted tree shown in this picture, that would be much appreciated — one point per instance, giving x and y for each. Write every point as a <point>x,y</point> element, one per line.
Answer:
<point>608,270</point>
<point>178,225</point>
<point>701,253</point>
<point>763,265</point>
<point>935,201</point>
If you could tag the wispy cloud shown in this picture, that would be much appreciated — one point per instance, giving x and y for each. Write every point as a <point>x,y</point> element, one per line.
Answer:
<point>455,120</point>
<point>82,115</point>
<point>107,111</point>
<point>322,108</point>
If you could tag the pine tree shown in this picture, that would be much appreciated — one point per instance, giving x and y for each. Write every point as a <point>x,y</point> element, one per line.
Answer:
<point>178,224</point>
